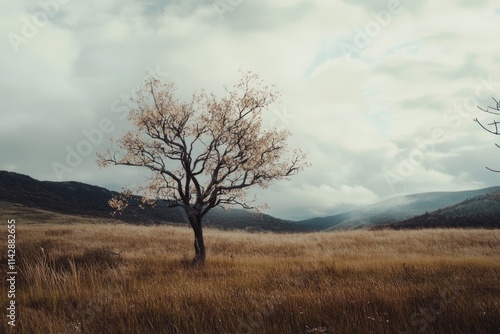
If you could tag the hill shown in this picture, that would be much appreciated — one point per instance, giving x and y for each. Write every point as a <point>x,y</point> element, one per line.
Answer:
<point>75,198</point>
<point>481,211</point>
<point>462,208</point>
<point>394,210</point>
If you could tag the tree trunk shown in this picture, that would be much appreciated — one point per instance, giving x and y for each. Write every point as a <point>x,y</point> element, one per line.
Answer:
<point>199,244</point>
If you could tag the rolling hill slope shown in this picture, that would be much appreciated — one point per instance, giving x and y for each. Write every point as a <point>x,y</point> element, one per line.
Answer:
<point>481,211</point>
<point>393,210</point>
<point>447,209</point>
<point>75,198</point>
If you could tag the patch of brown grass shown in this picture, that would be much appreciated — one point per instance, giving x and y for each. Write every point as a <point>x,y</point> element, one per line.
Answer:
<point>97,278</point>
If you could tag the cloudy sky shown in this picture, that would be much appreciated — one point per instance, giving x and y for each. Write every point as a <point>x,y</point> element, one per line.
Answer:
<point>381,94</point>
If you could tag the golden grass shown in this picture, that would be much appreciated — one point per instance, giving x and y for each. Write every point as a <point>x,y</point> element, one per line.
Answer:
<point>424,281</point>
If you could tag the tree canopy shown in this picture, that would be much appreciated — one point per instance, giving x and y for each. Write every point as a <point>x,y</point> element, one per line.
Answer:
<point>205,152</point>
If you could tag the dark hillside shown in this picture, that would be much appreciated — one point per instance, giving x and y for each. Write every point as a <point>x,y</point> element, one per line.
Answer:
<point>478,212</point>
<point>82,199</point>
<point>394,210</point>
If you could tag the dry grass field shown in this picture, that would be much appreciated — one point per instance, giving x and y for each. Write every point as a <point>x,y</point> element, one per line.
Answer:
<point>119,278</point>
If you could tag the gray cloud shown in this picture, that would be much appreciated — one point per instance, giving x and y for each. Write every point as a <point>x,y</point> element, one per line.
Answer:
<point>360,119</point>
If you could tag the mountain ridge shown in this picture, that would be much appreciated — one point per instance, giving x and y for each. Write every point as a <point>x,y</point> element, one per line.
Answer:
<point>482,210</point>
<point>77,198</point>
<point>394,209</point>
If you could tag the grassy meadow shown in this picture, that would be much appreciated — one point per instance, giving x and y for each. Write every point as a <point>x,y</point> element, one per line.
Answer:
<point>119,278</point>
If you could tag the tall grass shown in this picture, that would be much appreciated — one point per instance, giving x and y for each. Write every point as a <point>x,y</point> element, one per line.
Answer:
<point>96,278</point>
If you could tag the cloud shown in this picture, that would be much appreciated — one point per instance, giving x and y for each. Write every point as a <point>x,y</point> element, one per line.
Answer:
<point>358,117</point>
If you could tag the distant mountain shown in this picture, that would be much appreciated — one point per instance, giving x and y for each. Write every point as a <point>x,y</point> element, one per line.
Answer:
<point>481,211</point>
<point>393,210</point>
<point>82,199</point>
<point>65,197</point>
<point>444,209</point>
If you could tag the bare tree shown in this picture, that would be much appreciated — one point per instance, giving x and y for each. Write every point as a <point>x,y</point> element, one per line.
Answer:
<point>205,152</point>
<point>491,127</point>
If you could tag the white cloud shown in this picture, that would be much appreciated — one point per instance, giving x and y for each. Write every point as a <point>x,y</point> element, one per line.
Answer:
<point>357,118</point>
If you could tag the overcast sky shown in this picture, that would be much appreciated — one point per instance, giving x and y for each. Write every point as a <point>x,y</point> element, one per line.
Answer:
<point>381,94</point>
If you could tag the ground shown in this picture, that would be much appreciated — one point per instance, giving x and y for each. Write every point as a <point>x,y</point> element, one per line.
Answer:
<point>119,278</point>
